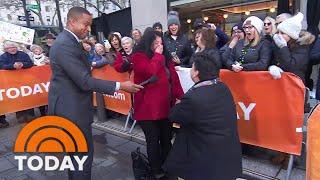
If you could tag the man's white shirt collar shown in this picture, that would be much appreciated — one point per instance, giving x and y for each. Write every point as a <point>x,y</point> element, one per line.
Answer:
<point>75,36</point>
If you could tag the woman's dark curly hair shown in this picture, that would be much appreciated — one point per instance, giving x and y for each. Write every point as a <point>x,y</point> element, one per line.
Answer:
<point>145,44</point>
<point>111,36</point>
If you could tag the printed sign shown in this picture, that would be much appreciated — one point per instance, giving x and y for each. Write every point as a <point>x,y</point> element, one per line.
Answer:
<point>16,33</point>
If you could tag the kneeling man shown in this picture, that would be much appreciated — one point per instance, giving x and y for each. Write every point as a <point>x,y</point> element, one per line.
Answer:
<point>207,145</point>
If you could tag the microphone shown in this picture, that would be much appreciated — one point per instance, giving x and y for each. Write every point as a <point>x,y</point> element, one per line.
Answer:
<point>152,79</point>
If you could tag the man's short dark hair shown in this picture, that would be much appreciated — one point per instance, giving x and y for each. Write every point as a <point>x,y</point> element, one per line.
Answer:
<point>157,24</point>
<point>76,11</point>
<point>207,65</point>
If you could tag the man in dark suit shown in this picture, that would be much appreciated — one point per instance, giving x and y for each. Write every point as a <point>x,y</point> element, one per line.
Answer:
<point>71,87</point>
<point>207,145</point>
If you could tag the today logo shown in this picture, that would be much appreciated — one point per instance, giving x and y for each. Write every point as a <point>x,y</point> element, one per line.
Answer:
<point>51,134</point>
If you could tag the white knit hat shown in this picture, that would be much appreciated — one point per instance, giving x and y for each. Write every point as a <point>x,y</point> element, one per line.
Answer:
<point>255,22</point>
<point>292,26</point>
<point>118,34</point>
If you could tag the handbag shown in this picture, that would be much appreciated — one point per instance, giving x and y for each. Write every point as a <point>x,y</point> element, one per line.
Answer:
<point>140,165</point>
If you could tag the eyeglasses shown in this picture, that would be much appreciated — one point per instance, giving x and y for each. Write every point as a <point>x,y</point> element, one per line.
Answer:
<point>267,24</point>
<point>247,27</point>
<point>237,32</point>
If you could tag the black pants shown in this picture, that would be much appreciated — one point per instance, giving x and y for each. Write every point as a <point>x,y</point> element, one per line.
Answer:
<point>43,110</point>
<point>25,113</point>
<point>158,136</point>
<point>309,81</point>
<point>318,87</point>
<point>87,166</point>
<point>2,118</point>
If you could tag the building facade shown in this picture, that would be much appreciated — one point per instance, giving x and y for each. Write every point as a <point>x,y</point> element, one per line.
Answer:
<point>43,12</point>
<point>226,13</point>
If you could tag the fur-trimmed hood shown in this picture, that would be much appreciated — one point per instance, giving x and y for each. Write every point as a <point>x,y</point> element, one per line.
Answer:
<point>305,38</point>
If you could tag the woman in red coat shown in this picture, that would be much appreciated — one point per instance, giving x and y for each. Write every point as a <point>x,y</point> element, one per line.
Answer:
<point>152,104</point>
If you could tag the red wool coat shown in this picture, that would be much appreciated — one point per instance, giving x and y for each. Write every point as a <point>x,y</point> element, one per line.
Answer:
<point>120,64</point>
<point>155,100</point>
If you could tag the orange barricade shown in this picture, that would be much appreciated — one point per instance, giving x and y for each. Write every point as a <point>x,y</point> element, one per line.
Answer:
<point>28,88</point>
<point>120,101</point>
<point>270,112</point>
<point>313,145</point>
<point>24,89</point>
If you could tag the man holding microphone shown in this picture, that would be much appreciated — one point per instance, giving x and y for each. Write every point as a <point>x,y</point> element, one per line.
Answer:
<point>72,86</point>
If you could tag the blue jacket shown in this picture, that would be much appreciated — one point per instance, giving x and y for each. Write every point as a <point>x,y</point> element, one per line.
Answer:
<point>100,60</point>
<point>90,55</point>
<point>315,52</point>
<point>222,38</point>
<point>7,60</point>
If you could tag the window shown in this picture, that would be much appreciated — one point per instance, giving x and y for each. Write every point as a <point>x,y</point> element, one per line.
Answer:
<point>48,19</point>
<point>47,8</point>
<point>108,4</point>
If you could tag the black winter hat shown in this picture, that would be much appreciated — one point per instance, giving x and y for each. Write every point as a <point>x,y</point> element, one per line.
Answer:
<point>237,26</point>
<point>200,23</point>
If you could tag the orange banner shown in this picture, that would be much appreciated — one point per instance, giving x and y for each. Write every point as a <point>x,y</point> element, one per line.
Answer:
<point>120,101</point>
<point>28,88</point>
<point>270,112</point>
<point>313,145</point>
<point>24,89</point>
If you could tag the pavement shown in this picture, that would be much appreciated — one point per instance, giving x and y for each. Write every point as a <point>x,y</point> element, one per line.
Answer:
<point>255,166</point>
<point>112,159</point>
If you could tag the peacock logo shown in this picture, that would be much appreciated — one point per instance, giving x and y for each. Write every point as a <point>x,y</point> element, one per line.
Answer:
<point>50,134</point>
